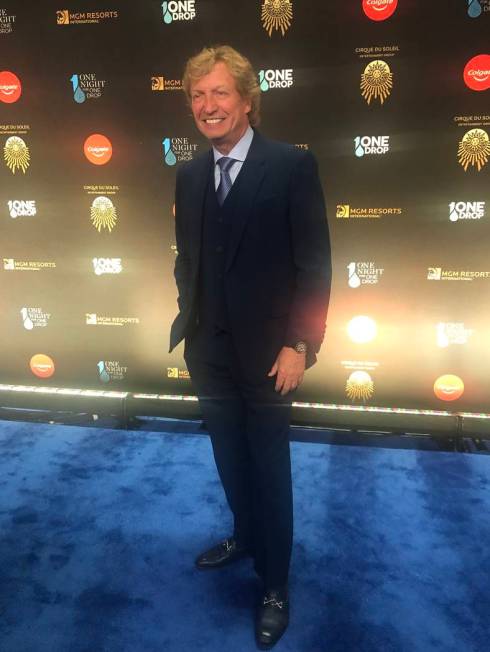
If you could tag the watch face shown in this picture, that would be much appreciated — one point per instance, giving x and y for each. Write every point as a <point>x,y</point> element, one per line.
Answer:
<point>300,347</point>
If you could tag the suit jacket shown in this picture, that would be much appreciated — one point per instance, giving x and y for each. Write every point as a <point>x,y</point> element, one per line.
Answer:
<point>278,267</point>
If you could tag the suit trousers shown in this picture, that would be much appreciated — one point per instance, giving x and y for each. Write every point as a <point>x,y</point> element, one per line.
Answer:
<point>248,422</point>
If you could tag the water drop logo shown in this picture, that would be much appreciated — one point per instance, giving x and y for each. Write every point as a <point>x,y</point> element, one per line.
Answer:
<point>354,280</point>
<point>264,84</point>
<point>358,148</point>
<point>28,323</point>
<point>78,94</point>
<point>474,8</point>
<point>168,153</point>
<point>167,16</point>
<point>103,375</point>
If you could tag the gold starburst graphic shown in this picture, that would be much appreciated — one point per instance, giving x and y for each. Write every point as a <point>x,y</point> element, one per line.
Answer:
<point>376,81</point>
<point>359,386</point>
<point>16,154</point>
<point>103,214</point>
<point>277,14</point>
<point>474,149</point>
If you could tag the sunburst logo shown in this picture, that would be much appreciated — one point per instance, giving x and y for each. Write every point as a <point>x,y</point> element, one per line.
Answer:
<point>16,154</point>
<point>359,386</point>
<point>103,214</point>
<point>376,81</point>
<point>474,149</point>
<point>277,14</point>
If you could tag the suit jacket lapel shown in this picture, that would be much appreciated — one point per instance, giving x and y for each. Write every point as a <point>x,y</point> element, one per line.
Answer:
<point>248,183</point>
<point>198,181</point>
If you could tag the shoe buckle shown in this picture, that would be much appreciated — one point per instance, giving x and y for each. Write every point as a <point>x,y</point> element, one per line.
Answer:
<point>273,602</point>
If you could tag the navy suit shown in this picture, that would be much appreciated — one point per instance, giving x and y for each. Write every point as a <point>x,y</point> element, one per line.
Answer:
<point>252,276</point>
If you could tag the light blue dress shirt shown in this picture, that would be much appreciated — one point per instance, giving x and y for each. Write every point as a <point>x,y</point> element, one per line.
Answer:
<point>239,152</point>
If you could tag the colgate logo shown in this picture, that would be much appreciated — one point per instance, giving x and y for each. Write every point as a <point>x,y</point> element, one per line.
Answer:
<point>379,9</point>
<point>476,74</point>
<point>10,87</point>
<point>98,149</point>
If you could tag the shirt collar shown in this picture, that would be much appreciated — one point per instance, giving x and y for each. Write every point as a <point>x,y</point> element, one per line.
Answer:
<point>240,151</point>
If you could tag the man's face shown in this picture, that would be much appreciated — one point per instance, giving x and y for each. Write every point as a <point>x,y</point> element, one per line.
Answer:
<point>220,112</point>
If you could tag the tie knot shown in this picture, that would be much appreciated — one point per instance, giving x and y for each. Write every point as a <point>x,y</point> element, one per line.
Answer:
<point>225,163</point>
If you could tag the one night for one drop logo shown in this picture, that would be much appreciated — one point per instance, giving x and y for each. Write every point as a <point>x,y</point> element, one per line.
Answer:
<point>177,150</point>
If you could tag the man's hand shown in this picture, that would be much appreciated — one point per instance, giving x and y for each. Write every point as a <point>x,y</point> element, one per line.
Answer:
<point>290,368</point>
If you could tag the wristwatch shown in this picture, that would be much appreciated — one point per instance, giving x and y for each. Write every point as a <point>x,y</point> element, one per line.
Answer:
<point>300,346</point>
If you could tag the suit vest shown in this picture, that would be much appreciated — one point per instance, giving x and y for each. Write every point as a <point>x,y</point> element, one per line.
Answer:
<point>216,227</point>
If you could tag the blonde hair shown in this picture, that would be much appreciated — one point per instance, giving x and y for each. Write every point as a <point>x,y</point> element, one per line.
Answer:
<point>240,68</point>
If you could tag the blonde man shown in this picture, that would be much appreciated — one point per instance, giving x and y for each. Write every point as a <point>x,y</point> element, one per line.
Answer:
<point>253,276</point>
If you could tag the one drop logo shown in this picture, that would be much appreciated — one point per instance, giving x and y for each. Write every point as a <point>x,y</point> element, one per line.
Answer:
<point>78,94</point>
<point>354,280</point>
<point>476,73</point>
<point>466,210</point>
<point>474,8</point>
<point>275,79</point>
<point>103,375</point>
<point>19,208</point>
<point>371,145</point>
<point>178,11</point>
<point>28,323</point>
<point>379,9</point>
<point>168,154</point>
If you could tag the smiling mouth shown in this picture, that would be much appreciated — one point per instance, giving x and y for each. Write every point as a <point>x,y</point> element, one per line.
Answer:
<point>213,121</point>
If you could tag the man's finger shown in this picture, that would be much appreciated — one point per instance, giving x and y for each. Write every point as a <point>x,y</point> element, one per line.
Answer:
<point>273,371</point>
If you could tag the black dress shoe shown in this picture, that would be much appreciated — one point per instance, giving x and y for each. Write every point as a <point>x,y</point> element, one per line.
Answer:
<point>272,618</point>
<point>224,553</point>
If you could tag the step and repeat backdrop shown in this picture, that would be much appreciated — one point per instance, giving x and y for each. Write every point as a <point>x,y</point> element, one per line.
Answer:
<point>392,96</point>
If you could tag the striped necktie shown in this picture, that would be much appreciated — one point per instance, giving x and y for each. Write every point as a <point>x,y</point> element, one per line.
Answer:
<point>225,163</point>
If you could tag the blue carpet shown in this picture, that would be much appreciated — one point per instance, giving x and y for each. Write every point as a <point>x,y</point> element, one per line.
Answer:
<point>99,528</point>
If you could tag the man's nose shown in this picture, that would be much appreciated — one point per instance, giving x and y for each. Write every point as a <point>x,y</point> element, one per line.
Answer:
<point>210,104</point>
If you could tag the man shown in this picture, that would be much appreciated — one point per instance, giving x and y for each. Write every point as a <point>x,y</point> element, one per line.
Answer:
<point>253,276</point>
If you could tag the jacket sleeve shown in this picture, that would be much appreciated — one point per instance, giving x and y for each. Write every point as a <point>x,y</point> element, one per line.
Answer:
<point>182,261</point>
<point>311,255</point>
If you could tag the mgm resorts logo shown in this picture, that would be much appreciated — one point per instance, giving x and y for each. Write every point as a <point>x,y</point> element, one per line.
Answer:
<point>277,14</point>
<point>86,86</point>
<point>474,149</point>
<point>369,145</point>
<point>21,208</point>
<point>177,150</point>
<point>66,17</point>
<point>111,370</point>
<point>466,210</point>
<point>346,211</point>
<point>93,319</point>
<point>376,81</point>
<point>477,7</point>
<point>165,84</point>
<point>177,374</point>
<point>178,11</point>
<point>16,154</point>
<point>440,274</point>
<point>274,78</point>
<point>13,265</point>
